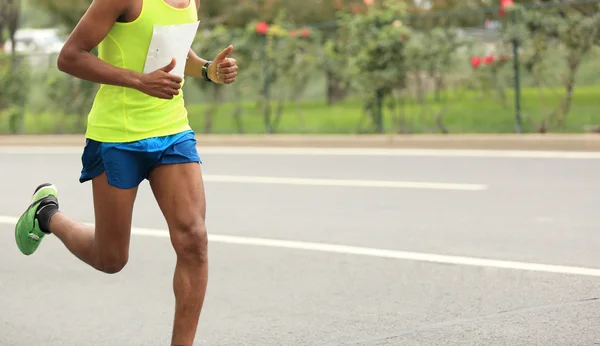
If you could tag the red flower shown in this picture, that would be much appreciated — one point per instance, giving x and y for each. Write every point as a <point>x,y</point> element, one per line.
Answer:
<point>503,5</point>
<point>475,61</point>
<point>488,60</point>
<point>262,28</point>
<point>306,32</point>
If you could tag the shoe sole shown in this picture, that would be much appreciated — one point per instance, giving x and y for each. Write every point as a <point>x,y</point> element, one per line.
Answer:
<point>37,190</point>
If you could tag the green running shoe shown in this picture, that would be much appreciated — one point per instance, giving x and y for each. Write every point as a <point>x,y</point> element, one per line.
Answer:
<point>27,232</point>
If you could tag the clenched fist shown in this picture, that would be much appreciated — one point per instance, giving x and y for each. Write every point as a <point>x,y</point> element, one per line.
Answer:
<point>161,83</point>
<point>223,69</point>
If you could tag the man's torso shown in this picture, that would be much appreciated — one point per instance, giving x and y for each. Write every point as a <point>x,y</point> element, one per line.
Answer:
<point>122,114</point>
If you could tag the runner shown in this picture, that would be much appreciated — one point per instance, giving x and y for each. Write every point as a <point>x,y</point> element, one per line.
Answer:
<point>137,129</point>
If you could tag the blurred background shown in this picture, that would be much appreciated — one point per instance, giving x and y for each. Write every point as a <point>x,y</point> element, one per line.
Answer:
<point>341,66</point>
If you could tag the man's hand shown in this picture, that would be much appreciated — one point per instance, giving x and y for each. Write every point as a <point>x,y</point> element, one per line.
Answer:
<point>223,70</point>
<point>160,83</point>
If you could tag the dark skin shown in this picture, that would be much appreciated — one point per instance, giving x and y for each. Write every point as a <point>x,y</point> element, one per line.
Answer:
<point>178,188</point>
<point>77,60</point>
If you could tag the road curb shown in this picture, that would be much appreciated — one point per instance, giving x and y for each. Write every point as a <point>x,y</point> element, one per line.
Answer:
<point>566,142</point>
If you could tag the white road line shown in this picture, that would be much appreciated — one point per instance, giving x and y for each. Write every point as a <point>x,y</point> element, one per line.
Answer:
<point>344,183</point>
<point>399,152</point>
<point>370,252</point>
<point>537,154</point>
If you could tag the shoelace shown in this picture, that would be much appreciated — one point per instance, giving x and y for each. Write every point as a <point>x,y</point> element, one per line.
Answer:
<point>34,236</point>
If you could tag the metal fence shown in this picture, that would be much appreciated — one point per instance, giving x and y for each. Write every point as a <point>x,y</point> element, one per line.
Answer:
<point>502,78</point>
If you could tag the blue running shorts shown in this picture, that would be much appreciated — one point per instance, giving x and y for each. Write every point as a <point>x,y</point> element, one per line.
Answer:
<point>128,164</point>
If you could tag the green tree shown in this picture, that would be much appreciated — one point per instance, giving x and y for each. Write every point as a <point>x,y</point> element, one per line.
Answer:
<point>372,54</point>
<point>289,61</point>
<point>10,13</point>
<point>432,56</point>
<point>320,15</point>
<point>240,13</point>
<point>209,43</point>
<point>568,33</point>
<point>13,71</point>
<point>66,12</point>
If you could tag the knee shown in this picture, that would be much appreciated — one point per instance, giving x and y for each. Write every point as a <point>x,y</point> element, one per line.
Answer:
<point>190,241</point>
<point>111,264</point>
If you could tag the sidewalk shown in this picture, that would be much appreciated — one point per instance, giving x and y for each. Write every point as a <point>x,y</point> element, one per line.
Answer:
<point>567,142</point>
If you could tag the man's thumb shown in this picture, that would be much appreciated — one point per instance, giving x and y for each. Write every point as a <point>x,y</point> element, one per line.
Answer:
<point>221,56</point>
<point>170,66</point>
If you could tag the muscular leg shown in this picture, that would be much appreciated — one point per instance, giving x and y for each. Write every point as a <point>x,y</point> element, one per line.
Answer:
<point>105,246</point>
<point>179,192</point>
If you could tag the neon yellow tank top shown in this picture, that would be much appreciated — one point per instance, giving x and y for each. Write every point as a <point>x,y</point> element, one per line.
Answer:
<point>122,114</point>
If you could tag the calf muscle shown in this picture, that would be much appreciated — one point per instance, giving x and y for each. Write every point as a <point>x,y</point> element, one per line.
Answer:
<point>104,246</point>
<point>179,192</point>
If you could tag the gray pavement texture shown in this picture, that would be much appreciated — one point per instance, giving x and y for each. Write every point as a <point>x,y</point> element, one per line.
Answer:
<point>535,210</point>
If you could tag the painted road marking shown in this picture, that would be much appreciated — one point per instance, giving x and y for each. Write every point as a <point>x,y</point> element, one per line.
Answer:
<point>369,252</point>
<point>343,182</point>
<point>532,154</point>
<point>399,152</point>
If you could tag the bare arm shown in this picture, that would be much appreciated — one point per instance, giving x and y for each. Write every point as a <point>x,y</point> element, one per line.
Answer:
<point>77,60</point>
<point>193,65</point>
<point>222,71</point>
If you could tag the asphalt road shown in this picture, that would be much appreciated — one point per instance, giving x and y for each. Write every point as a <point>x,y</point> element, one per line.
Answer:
<point>532,211</point>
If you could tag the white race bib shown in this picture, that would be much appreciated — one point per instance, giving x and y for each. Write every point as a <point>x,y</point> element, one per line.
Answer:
<point>168,42</point>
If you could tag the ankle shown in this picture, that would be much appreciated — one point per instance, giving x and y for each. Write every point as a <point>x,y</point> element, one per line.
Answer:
<point>44,215</point>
